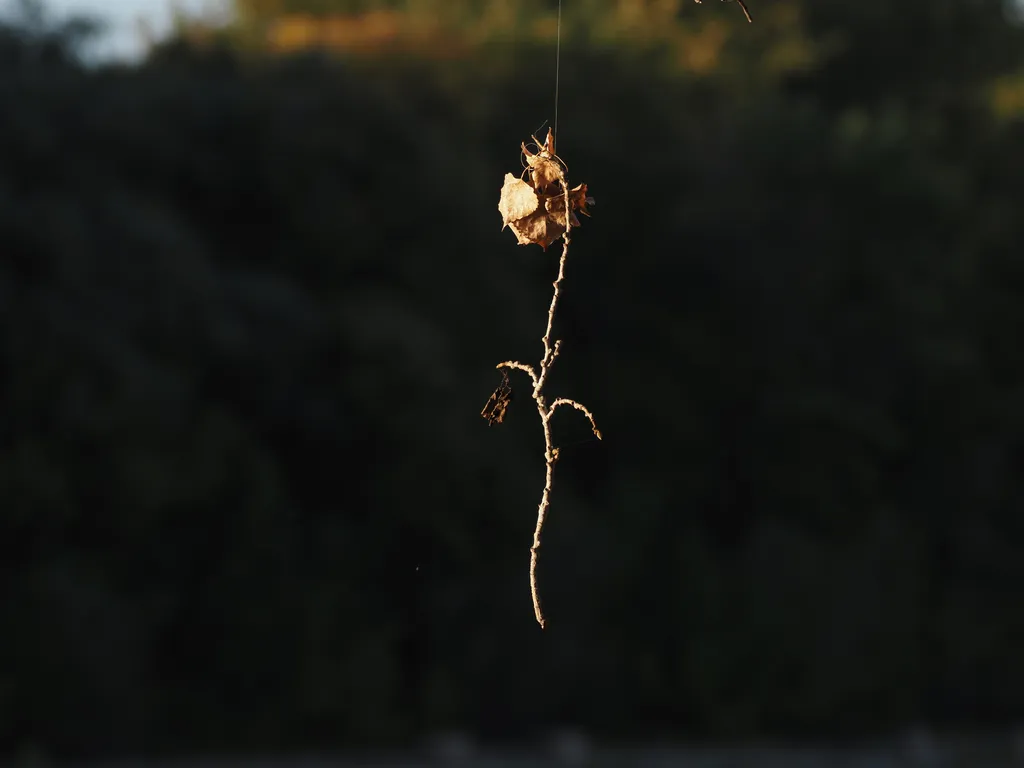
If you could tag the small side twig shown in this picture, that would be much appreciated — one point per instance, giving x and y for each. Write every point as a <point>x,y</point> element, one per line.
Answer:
<point>579,407</point>
<point>528,369</point>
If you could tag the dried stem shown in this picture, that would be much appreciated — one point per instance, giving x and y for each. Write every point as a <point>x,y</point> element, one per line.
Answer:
<point>546,412</point>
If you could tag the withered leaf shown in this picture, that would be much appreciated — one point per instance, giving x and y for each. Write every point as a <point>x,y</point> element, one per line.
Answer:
<point>536,211</point>
<point>497,404</point>
<point>545,171</point>
<point>540,227</point>
<point>555,206</point>
<point>578,199</point>
<point>517,200</point>
<point>549,142</point>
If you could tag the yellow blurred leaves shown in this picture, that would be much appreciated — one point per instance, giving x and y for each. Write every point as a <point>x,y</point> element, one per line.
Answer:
<point>369,32</point>
<point>1007,97</point>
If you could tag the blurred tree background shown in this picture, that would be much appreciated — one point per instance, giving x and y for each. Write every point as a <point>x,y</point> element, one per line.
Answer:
<point>253,289</point>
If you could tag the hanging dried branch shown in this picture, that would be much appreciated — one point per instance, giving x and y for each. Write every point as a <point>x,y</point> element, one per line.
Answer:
<point>539,211</point>
<point>742,5</point>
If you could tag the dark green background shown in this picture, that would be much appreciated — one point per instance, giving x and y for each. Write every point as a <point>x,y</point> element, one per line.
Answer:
<point>250,309</point>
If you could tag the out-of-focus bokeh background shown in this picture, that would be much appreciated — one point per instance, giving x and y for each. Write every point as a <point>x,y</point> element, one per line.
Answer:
<point>253,287</point>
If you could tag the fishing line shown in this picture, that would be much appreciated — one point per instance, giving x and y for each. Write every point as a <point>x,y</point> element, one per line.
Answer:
<point>558,64</point>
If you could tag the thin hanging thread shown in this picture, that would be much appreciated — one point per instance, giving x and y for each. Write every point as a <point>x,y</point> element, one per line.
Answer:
<point>558,63</point>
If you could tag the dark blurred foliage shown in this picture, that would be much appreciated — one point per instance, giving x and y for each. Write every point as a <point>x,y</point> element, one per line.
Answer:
<point>250,309</point>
